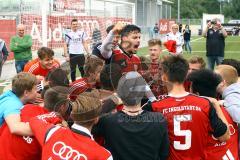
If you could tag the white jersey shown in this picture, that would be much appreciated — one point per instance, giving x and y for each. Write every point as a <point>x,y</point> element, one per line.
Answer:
<point>75,40</point>
<point>178,37</point>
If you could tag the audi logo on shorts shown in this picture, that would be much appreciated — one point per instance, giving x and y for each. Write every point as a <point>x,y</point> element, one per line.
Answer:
<point>66,152</point>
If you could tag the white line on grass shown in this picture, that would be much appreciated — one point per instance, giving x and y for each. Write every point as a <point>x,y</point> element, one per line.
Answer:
<point>224,51</point>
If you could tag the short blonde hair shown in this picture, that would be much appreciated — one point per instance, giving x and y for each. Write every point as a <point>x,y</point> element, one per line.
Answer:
<point>23,81</point>
<point>228,73</point>
<point>153,42</point>
<point>175,25</point>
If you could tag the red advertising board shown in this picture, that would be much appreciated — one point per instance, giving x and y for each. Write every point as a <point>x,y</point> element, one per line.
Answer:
<point>62,5</point>
<point>57,26</point>
<point>165,25</point>
<point>7,30</point>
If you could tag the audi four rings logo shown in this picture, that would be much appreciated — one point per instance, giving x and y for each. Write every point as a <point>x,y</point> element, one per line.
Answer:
<point>66,152</point>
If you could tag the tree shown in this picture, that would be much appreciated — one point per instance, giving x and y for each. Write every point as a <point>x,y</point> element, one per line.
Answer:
<point>195,8</point>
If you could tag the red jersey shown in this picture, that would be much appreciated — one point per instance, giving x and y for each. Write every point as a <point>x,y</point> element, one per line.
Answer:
<point>78,144</point>
<point>189,123</point>
<point>228,150</point>
<point>187,85</point>
<point>77,87</point>
<point>127,62</point>
<point>13,147</point>
<point>157,86</point>
<point>35,67</point>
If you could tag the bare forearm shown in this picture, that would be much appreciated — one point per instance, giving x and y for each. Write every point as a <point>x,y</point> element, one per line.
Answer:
<point>22,129</point>
<point>85,45</point>
<point>106,50</point>
<point>224,32</point>
<point>16,126</point>
<point>65,50</point>
<point>204,33</point>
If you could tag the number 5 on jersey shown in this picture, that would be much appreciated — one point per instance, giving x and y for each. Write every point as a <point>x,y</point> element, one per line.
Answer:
<point>177,119</point>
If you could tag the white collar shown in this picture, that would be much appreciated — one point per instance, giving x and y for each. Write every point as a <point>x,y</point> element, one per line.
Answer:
<point>82,129</point>
<point>178,96</point>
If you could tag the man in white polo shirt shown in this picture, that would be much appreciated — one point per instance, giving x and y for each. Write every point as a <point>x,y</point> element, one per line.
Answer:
<point>75,44</point>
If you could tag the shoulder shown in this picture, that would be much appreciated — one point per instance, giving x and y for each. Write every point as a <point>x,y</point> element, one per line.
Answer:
<point>31,66</point>
<point>179,34</point>
<point>27,36</point>
<point>10,99</point>
<point>135,57</point>
<point>80,32</point>
<point>78,86</point>
<point>112,117</point>
<point>156,115</point>
<point>56,63</point>
<point>33,110</point>
<point>14,37</point>
<point>78,82</point>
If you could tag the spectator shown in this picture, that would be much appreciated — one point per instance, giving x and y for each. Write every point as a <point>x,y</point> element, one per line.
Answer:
<point>204,83</point>
<point>75,46</point>
<point>230,90</point>
<point>156,31</point>
<point>187,38</point>
<point>21,45</point>
<point>180,27</point>
<point>24,90</point>
<point>96,35</point>
<point>79,141</point>
<point>3,54</point>
<point>215,44</point>
<point>184,112</point>
<point>27,147</point>
<point>125,56</point>
<point>43,64</point>
<point>176,36</point>
<point>126,130</point>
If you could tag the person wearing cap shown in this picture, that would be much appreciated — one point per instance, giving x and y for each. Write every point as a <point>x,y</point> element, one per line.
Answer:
<point>75,143</point>
<point>215,36</point>
<point>133,133</point>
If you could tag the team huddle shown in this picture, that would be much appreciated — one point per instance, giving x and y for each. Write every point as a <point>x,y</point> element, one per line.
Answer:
<point>122,107</point>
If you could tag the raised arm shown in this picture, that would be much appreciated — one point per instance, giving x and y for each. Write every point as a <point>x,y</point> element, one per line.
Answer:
<point>106,48</point>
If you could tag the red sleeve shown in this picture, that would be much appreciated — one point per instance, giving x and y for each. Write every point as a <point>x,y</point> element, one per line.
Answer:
<point>41,124</point>
<point>40,129</point>
<point>27,67</point>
